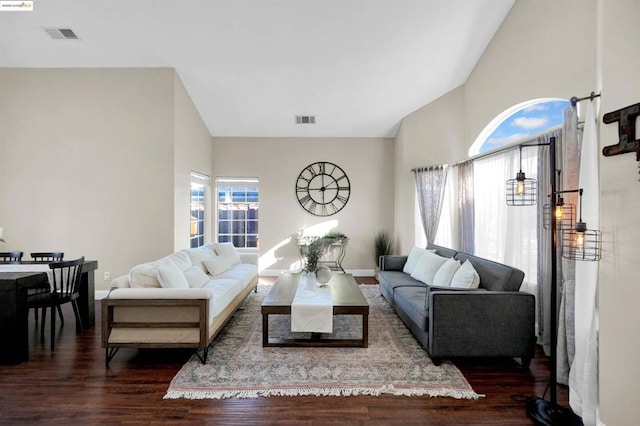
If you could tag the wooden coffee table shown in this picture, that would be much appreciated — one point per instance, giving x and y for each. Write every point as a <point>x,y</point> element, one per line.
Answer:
<point>347,300</point>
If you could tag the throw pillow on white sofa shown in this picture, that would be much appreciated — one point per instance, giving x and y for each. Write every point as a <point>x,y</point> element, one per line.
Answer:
<point>146,274</point>
<point>199,254</point>
<point>427,267</point>
<point>217,265</point>
<point>196,277</point>
<point>229,251</point>
<point>170,276</point>
<point>444,276</point>
<point>466,277</point>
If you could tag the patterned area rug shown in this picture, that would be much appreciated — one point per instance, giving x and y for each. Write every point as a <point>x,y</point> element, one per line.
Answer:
<point>394,363</point>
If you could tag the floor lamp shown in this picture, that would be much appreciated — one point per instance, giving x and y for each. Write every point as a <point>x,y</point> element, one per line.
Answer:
<point>545,412</point>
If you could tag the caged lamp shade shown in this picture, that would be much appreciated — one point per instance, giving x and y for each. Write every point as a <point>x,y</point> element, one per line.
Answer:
<point>581,243</point>
<point>521,191</point>
<point>565,215</point>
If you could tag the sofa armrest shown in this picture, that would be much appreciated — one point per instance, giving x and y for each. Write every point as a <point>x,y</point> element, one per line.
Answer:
<point>481,323</point>
<point>433,288</point>
<point>392,263</point>
<point>160,293</point>
<point>251,258</point>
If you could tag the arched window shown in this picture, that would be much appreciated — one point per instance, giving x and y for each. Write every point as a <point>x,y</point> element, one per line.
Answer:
<point>521,120</point>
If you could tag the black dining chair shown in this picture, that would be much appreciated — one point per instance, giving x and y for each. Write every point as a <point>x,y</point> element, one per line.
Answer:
<point>65,288</point>
<point>47,256</point>
<point>11,256</point>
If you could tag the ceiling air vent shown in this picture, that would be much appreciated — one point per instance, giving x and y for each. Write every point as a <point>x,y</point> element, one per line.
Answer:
<point>61,33</point>
<point>305,119</point>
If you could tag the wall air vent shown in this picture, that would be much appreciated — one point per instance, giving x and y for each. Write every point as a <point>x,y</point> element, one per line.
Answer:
<point>61,34</point>
<point>305,119</point>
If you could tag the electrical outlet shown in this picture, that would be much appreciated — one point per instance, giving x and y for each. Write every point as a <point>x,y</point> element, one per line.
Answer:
<point>107,276</point>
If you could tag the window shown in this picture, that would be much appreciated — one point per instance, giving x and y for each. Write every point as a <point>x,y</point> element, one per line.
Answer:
<point>199,185</point>
<point>237,219</point>
<point>503,234</point>
<point>519,122</point>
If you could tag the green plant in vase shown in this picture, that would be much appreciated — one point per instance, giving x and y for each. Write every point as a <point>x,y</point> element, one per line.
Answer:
<point>314,252</point>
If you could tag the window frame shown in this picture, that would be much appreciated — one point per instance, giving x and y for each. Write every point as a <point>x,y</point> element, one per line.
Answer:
<point>498,120</point>
<point>241,239</point>
<point>201,227</point>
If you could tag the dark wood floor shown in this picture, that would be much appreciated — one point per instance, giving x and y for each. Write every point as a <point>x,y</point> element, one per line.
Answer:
<point>73,386</point>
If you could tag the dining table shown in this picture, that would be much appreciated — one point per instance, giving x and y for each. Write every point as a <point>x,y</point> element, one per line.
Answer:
<point>16,279</point>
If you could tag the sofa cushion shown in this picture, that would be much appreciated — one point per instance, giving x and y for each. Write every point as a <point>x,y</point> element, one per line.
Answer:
<point>442,251</point>
<point>445,273</point>
<point>146,274</point>
<point>243,273</point>
<point>414,257</point>
<point>493,275</point>
<point>411,301</point>
<point>466,277</point>
<point>180,259</point>
<point>229,251</point>
<point>394,279</point>
<point>427,267</point>
<point>223,291</point>
<point>170,276</point>
<point>199,254</point>
<point>196,277</point>
<point>217,265</point>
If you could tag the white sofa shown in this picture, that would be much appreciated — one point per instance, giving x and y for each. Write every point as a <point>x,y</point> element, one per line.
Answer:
<point>179,301</point>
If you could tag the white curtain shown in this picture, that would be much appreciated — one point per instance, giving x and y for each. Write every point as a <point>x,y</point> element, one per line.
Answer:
<point>583,377</point>
<point>503,233</point>
<point>448,232</point>
<point>430,187</point>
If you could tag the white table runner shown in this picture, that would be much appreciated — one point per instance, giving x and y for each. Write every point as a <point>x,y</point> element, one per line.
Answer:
<point>312,308</point>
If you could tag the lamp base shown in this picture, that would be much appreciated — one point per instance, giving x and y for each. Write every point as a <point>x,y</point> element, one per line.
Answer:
<point>547,413</point>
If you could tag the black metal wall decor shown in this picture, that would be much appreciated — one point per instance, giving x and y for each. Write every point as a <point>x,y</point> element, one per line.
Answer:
<point>626,119</point>
<point>323,188</point>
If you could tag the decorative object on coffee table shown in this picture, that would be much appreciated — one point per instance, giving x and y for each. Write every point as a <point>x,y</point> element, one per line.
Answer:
<point>315,250</point>
<point>323,275</point>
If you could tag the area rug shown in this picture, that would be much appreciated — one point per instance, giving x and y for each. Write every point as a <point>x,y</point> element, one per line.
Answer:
<point>394,363</point>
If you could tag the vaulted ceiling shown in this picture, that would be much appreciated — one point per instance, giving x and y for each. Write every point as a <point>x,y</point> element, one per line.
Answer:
<point>251,66</point>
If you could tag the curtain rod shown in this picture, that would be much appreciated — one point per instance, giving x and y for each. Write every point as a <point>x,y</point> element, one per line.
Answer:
<point>495,151</point>
<point>575,100</point>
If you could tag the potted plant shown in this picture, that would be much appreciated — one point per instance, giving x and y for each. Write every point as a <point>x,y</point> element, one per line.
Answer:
<point>314,251</point>
<point>382,246</point>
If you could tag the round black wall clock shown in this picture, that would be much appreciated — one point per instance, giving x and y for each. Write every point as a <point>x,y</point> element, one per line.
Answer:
<point>323,188</point>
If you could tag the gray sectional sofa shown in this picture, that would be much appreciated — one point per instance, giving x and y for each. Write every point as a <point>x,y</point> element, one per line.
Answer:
<point>494,320</point>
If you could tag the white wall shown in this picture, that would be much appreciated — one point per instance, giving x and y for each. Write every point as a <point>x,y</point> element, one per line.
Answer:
<point>87,162</point>
<point>619,285</point>
<point>277,162</point>
<point>431,135</point>
<point>543,48</point>
<point>192,152</point>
